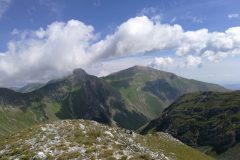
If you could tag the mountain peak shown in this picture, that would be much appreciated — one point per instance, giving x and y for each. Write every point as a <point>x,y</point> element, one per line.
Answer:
<point>140,67</point>
<point>80,73</point>
<point>145,68</point>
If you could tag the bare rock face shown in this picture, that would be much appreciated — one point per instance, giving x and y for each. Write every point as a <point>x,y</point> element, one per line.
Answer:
<point>80,74</point>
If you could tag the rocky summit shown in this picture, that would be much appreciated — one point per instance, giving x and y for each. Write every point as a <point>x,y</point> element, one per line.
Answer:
<point>84,139</point>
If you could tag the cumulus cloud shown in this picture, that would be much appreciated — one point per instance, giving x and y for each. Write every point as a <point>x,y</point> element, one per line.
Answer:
<point>139,35</point>
<point>162,62</point>
<point>47,53</point>
<point>234,15</point>
<point>54,51</point>
<point>176,62</point>
<point>193,61</point>
<point>4,4</point>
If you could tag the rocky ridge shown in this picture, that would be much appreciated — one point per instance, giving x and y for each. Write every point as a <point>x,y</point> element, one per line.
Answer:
<point>83,139</point>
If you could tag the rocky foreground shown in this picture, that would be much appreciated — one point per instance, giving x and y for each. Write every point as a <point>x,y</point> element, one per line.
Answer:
<point>82,139</point>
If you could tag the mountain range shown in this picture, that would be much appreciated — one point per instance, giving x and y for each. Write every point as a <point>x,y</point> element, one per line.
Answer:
<point>148,91</point>
<point>202,115</point>
<point>129,98</point>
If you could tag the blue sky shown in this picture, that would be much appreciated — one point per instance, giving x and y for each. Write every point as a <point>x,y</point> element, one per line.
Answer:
<point>105,15</point>
<point>28,25</point>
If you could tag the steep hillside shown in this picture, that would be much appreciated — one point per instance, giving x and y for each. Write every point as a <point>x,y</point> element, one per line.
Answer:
<point>77,96</point>
<point>14,113</point>
<point>209,121</point>
<point>82,139</point>
<point>148,91</point>
<point>130,99</point>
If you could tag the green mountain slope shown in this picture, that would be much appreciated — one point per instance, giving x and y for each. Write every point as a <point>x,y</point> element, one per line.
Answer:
<point>209,121</point>
<point>78,95</point>
<point>129,98</point>
<point>82,139</point>
<point>14,113</point>
<point>148,91</point>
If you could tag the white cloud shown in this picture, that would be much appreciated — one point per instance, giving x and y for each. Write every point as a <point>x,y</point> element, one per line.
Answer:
<point>162,62</point>
<point>176,62</point>
<point>209,72</point>
<point>193,61</point>
<point>106,67</point>
<point>54,51</point>
<point>234,15</point>
<point>47,53</point>
<point>139,35</point>
<point>4,5</point>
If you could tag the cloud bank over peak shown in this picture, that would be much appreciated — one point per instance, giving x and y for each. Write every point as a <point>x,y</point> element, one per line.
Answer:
<point>47,53</point>
<point>54,51</point>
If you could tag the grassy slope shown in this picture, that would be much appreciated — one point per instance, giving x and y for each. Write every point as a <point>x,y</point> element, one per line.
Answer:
<point>67,99</point>
<point>67,140</point>
<point>130,84</point>
<point>76,96</point>
<point>161,141</point>
<point>15,119</point>
<point>204,119</point>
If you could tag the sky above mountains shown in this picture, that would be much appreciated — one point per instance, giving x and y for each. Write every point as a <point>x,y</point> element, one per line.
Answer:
<point>45,39</point>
